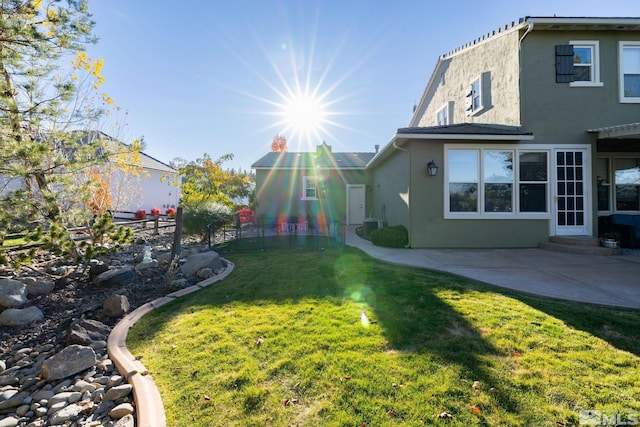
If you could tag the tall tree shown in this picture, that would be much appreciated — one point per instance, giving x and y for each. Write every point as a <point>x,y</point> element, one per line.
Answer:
<point>279,144</point>
<point>48,89</point>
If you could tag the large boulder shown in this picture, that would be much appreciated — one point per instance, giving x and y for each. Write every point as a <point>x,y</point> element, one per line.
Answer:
<point>13,293</point>
<point>87,331</point>
<point>67,362</point>
<point>115,306</point>
<point>202,260</point>
<point>118,276</point>
<point>20,316</point>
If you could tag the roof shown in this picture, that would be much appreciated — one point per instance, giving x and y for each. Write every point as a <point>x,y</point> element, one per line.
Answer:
<point>145,160</point>
<point>311,160</point>
<point>456,132</point>
<point>630,130</point>
<point>464,130</point>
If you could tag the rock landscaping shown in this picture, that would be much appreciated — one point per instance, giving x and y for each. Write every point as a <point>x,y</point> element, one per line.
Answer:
<point>54,323</point>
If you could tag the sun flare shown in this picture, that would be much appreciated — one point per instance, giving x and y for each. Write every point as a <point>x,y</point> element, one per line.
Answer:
<point>304,114</point>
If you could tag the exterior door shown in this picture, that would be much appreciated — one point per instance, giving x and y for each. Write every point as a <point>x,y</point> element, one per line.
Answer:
<point>355,203</point>
<point>571,204</point>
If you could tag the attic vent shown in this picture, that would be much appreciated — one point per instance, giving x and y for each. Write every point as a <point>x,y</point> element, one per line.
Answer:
<point>564,63</point>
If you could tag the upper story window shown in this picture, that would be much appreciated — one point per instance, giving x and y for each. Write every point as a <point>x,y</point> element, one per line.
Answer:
<point>586,63</point>
<point>443,115</point>
<point>474,102</point>
<point>629,57</point>
<point>309,188</point>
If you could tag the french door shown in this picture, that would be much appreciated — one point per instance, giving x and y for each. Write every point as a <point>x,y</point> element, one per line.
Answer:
<point>571,204</point>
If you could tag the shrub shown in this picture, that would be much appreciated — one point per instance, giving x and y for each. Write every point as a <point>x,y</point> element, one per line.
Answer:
<point>390,237</point>
<point>155,211</point>
<point>197,217</point>
<point>171,212</point>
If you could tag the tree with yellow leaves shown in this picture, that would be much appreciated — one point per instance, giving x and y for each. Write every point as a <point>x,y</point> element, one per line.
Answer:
<point>48,92</point>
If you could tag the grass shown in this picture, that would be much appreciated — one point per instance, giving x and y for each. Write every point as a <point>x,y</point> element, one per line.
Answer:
<point>282,341</point>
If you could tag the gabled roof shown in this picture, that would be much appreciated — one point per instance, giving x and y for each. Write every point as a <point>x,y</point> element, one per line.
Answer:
<point>456,132</point>
<point>309,160</point>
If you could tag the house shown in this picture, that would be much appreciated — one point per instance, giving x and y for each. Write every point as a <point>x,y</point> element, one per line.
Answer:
<point>311,188</point>
<point>137,180</point>
<point>530,131</point>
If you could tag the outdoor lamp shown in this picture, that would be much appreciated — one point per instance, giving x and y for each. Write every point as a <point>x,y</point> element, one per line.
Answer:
<point>432,168</point>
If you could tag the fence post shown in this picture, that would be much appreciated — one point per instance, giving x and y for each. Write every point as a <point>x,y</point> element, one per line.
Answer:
<point>177,234</point>
<point>156,223</point>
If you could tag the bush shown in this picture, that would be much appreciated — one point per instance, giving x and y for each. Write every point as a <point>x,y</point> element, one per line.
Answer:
<point>390,237</point>
<point>196,217</point>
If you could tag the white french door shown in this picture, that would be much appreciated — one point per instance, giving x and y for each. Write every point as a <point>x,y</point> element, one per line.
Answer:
<point>571,195</point>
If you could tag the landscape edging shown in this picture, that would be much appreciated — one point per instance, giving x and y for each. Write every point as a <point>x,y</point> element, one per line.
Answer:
<point>149,407</point>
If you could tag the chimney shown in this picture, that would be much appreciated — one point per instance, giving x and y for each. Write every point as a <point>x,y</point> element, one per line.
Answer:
<point>377,147</point>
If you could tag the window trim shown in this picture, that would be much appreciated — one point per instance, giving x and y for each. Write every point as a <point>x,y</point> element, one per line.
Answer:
<point>305,180</point>
<point>515,213</point>
<point>446,109</point>
<point>594,45</point>
<point>621,46</point>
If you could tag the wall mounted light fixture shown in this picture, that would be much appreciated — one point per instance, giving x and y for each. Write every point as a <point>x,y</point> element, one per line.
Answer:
<point>432,168</point>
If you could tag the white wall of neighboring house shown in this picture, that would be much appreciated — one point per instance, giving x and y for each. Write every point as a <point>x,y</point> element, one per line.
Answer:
<point>146,190</point>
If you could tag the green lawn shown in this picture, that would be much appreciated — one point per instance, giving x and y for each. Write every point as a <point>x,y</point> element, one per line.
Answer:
<point>282,341</point>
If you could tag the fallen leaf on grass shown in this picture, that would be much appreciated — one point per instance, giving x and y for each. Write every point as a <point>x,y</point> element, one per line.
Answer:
<point>207,397</point>
<point>494,390</point>
<point>259,341</point>
<point>476,385</point>
<point>516,354</point>
<point>444,415</point>
<point>476,410</point>
<point>391,413</point>
<point>286,402</point>
<point>560,424</point>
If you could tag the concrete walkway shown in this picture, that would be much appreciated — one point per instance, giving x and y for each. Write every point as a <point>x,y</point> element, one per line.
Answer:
<point>606,280</point>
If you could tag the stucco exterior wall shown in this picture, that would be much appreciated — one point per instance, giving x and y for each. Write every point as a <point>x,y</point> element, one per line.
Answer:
<point>279,193</point>
<point>558,112</point>
<point>498,62</point>
<point>429,228</point>
<point>146,191</point>
<point>390,190</point>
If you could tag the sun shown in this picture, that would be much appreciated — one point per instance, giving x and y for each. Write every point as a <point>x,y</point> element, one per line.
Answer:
<point>304,114</point>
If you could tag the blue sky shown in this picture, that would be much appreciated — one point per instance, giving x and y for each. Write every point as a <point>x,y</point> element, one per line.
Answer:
<point>216,77</point>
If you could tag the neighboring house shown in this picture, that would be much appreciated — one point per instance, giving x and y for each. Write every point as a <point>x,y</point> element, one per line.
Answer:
<point>321,187</point>
<point>139,182</point>
<point>535,130</point>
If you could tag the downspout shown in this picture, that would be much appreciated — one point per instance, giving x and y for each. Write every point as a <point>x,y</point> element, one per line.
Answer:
<point>409,190</point>
<point>527,32</point>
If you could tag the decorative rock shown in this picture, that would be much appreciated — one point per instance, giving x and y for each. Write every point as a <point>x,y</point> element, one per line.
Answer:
<point>3,365</point>
<point>205,273</point>
<point>20,316</point>
<point>126,421</point>
<point>69,361</point>
<point>42,395</point>
<point>11,399</point>
<point>114,381</point>
<point>146,265</point>
<point>115,306</point>
<point>13,293</point>
<point>119,276</point>
<point>121,410</point>
<point>38,288</point>
<point>82,386</point>
<point>86,331</point>
<point>22,410</point>
<point>65,414</point>
<point>198,261</point>
<point>118,392</point>
<point>9,422</point>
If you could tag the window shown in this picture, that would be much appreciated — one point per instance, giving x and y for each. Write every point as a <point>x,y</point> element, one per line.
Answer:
<point>474,100</point>
<point>603,182</point>
<point>309,188</point>
<point>443,115</point>
<point>495,182</point>
<point>629,57</point>
<point>627,183</point>
<point>586,63</point>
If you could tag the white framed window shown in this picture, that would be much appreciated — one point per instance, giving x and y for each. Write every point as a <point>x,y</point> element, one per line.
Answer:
<point>629,66</point>
<point>586,63</point>
<point>309,188</point>
<point>474,98</point>
<point>497,182</point>
<point>444,114</point>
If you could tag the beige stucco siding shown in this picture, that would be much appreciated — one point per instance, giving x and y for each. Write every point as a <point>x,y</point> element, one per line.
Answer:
<point>389,192</point>
<point>498,63</point>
